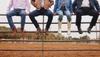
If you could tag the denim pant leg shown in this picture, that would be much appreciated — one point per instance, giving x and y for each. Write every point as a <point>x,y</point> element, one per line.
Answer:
<point>50,17</point>
<point>9,18</point>
<point>23,17</point>
<point>60,13</point>
<point>68,15</point>
<point>32,17</point>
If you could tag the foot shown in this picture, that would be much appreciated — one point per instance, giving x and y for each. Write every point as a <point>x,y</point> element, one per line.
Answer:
<point>59,31</point>
<point>60,35</point>
<point>69,36</point>
<point>23,34</point>
<point>69,32</point>
<point>85,37</point>
<point>39,30</point>
<point>46,31</point>
<point>14,32</point>
<point>82,35</point>
<point>80,31</point>
<point>89,30</point>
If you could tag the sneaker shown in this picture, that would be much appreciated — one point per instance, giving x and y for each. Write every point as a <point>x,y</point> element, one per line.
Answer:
<point>60,35</point>
<point>82,35</point>
<point>59,31</point>
<point>69,36</point>
<point>69,32</point>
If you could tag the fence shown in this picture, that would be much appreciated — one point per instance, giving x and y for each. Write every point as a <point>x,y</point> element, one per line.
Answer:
<point>43,50</point>
<point>74,31</point>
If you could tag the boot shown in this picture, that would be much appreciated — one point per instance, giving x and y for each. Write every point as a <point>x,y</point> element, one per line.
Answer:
<point>14,30</point>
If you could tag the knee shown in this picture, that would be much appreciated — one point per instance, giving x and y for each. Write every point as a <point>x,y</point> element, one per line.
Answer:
<point>8,15</point>
<point>60,13</point>
<point>97,13</point>
<point>22,14</point>
<point>78,12</point>
<point>50,13</point>
<point>30,14</point>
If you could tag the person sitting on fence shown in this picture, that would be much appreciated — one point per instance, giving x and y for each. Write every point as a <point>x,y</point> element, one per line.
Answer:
<point>86,7</point>
<point>42,8</point>
<point>63,7</point>
<point>19,7</point>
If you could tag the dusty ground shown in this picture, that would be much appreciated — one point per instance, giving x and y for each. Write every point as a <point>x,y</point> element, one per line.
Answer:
<point>49,49</point>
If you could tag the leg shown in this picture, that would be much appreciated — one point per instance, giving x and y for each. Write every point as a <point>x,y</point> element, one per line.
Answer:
<point>68,14</point>
<point>50,17</point>
<point>78,20</point>
<point>22,14</point>
<point>95,15</point>
<point>10,21</point>
<point>60,13</point>
<point>32,17</point>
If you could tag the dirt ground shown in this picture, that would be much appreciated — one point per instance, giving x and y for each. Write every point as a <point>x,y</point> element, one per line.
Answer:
<point>54,49</point>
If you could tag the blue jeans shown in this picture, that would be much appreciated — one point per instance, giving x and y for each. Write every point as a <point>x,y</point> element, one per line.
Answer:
<point>61,13</point>
<point>41,12</point>
<point>16,12</point>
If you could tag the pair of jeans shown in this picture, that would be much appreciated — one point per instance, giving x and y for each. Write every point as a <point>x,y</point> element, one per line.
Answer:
<point>16,12</point>
<point>86,11</point>
<point>42,11</point>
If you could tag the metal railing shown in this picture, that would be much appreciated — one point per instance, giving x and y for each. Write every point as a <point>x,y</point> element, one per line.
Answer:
<point>43,41</point>
<point>73,31</point>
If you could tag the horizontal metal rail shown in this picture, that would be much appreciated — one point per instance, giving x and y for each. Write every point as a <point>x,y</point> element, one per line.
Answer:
<point>46,23</point>
<point>19,40</point>
<point>50,50</point>
<point>43,32</point>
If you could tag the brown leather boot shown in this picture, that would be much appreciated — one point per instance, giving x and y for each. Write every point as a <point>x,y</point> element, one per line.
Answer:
<point>22,32</point>
<point>14,30</point>
<point>39,30</point>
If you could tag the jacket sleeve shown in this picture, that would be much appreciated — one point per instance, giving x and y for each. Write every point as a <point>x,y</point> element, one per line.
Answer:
<point>97,5</point>
<point>55,6</point>
<point>74,5</point>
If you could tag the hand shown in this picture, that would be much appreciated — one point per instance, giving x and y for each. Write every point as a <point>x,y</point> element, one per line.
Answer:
<point>54,14</point>
<point>37,5</point>
<point>46,7</point>
<point>73,13</point>
<point>27,12</point>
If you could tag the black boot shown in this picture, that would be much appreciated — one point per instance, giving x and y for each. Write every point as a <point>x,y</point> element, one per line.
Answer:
<point>80,30</point>
<point>89,30</point>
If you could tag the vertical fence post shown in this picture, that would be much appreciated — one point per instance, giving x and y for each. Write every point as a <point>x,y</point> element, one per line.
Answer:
<point>99,30</point>
<point>96,30</point>
<point>43,38</point>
